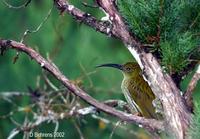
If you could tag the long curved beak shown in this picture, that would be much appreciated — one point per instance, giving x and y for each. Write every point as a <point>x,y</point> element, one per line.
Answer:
<point>117,66</point>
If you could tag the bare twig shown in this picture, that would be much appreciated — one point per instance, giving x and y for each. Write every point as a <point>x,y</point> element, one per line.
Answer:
<point>191,87</point>
<point>78,130</point>
<point>121,126</point>
<point>113,130</point>
<point>195,21</point>
<point>86,75</point>
<point>13,133</point>
<point>150,124</point>
<point>38,28</point>
<point>17,7</point>
<point>111,103</point>
<point>49,83</point>
<point>13,94</point>
<point>88,5</point>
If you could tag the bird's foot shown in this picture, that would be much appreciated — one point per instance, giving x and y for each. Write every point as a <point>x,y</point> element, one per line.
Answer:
<point>138,114</point>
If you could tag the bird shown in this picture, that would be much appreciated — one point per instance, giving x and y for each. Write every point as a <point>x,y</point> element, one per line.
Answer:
<point>136,90</point>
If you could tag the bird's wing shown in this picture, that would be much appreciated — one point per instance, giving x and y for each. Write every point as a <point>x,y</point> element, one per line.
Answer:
<point>142,95</point>
<point>130,100</point>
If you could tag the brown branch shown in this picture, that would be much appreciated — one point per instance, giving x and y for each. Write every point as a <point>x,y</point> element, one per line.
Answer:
<point>176,113</point>
<point>191,87</point>
<point>83,17</point>
<point>150,124</point>
<point>111,103</point>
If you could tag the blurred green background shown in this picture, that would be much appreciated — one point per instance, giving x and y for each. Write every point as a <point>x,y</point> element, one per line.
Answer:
<point>76,49</point>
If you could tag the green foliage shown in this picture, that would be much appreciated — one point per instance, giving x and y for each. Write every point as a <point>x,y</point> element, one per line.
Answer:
<point>193,132</point>
<point>171,26</point>
<point>141,16</point>
<point>176,52</point>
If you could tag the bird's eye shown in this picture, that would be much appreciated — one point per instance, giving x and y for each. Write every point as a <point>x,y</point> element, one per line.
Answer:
<point>128,69</point>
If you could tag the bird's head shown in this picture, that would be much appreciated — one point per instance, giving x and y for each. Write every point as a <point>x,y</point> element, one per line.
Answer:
<point>128,69</point>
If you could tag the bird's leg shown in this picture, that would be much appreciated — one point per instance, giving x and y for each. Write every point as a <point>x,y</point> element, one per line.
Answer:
<point>134,111</point>
<point>158,106</point>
